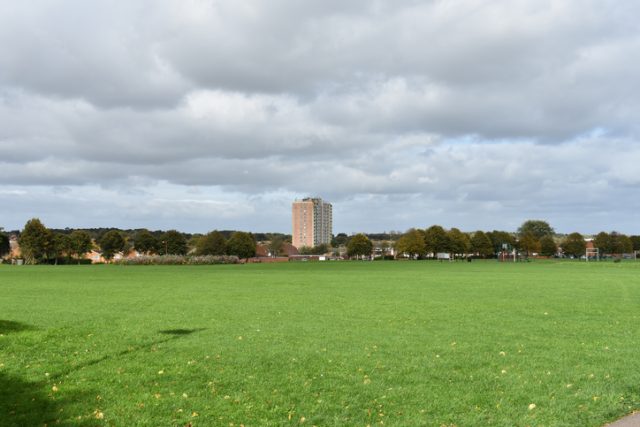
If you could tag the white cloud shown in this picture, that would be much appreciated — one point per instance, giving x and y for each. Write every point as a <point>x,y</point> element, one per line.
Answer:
<point>485,113</point>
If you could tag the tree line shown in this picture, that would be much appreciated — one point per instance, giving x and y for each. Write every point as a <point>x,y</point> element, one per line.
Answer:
<point>41,245</point>
<point>532,237</point>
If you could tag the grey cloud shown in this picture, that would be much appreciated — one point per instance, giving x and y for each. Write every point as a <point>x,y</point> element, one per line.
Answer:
<point>449,107</point>
<point>98,51</point>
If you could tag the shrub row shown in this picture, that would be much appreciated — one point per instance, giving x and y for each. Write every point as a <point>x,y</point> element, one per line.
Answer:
<point>179,260</point>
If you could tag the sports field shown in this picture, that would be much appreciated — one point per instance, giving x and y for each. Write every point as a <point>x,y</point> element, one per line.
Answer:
<point>324,344</point>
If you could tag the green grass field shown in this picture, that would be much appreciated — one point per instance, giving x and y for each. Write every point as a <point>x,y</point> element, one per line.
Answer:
<point>324,344</point>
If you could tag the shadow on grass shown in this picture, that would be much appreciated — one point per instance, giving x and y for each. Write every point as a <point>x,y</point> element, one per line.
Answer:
<point>27,404</point>
<point>179,332</point>
<point>24,403</point>
<point>175,335</point>
<point>8,326</point>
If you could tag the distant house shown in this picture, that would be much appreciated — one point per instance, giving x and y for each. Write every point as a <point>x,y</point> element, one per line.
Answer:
<point>288,249</point>
<point>129,255</point>
<point>96,256</point>
<point>14,247</point>
<point>262,250</point>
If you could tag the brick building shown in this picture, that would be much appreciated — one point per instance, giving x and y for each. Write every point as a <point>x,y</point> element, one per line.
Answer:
<point>312,221</point>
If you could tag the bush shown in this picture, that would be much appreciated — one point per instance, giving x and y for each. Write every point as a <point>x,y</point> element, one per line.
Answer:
<point>212,259</point>
<point>68,261</point>
<point>179,260</point>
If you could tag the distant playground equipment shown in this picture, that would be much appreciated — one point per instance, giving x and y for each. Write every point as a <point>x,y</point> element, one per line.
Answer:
<point>508,253</point>
<point>592,254</point>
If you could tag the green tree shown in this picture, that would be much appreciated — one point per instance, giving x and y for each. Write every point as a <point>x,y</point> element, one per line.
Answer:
<point>529,243</point>
<point>5,246</point>
<point>322,248</point>
<point>242,245</point>
<point>459,242</point>
<point>602,241</point>
<point>620,243</point>
<point>635,242</point>
<point>574,245</point>
<point>275,245</point>
<point>500,238</point>
<point>306,250</point>
<point>212,243</point>
<point>339,240</point>
<point>481,244</point>
<point>174,243</point>
<point>60,247</point>
<point>548,246</point>
<point>411,243</point>
<point>35,241</point>
<point>359,245</point>
<point>81,243</point>
<point>537,228</point>
<point>145,242</point>
<point>111,243</point>
<point>436,240</point>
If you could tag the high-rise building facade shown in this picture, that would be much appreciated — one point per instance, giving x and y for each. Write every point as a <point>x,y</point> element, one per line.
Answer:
<point>312,220</point>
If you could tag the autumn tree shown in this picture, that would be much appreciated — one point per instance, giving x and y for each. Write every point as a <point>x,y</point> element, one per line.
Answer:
<point>411,243</point>
<point>359,245</point>
<point>459,243</point>
<point>574,245</point>
<point>529,243</point>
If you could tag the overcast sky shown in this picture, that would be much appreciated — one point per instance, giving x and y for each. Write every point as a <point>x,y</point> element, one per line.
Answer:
<point>217,114</point>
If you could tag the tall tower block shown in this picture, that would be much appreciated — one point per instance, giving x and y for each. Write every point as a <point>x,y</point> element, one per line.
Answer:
<point>312,222</point>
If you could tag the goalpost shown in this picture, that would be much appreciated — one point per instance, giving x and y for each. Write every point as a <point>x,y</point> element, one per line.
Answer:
<point>507,254</point>
<point>592,253</point>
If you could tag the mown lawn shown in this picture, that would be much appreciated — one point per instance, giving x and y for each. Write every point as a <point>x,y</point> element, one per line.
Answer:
<point>324,344</point>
